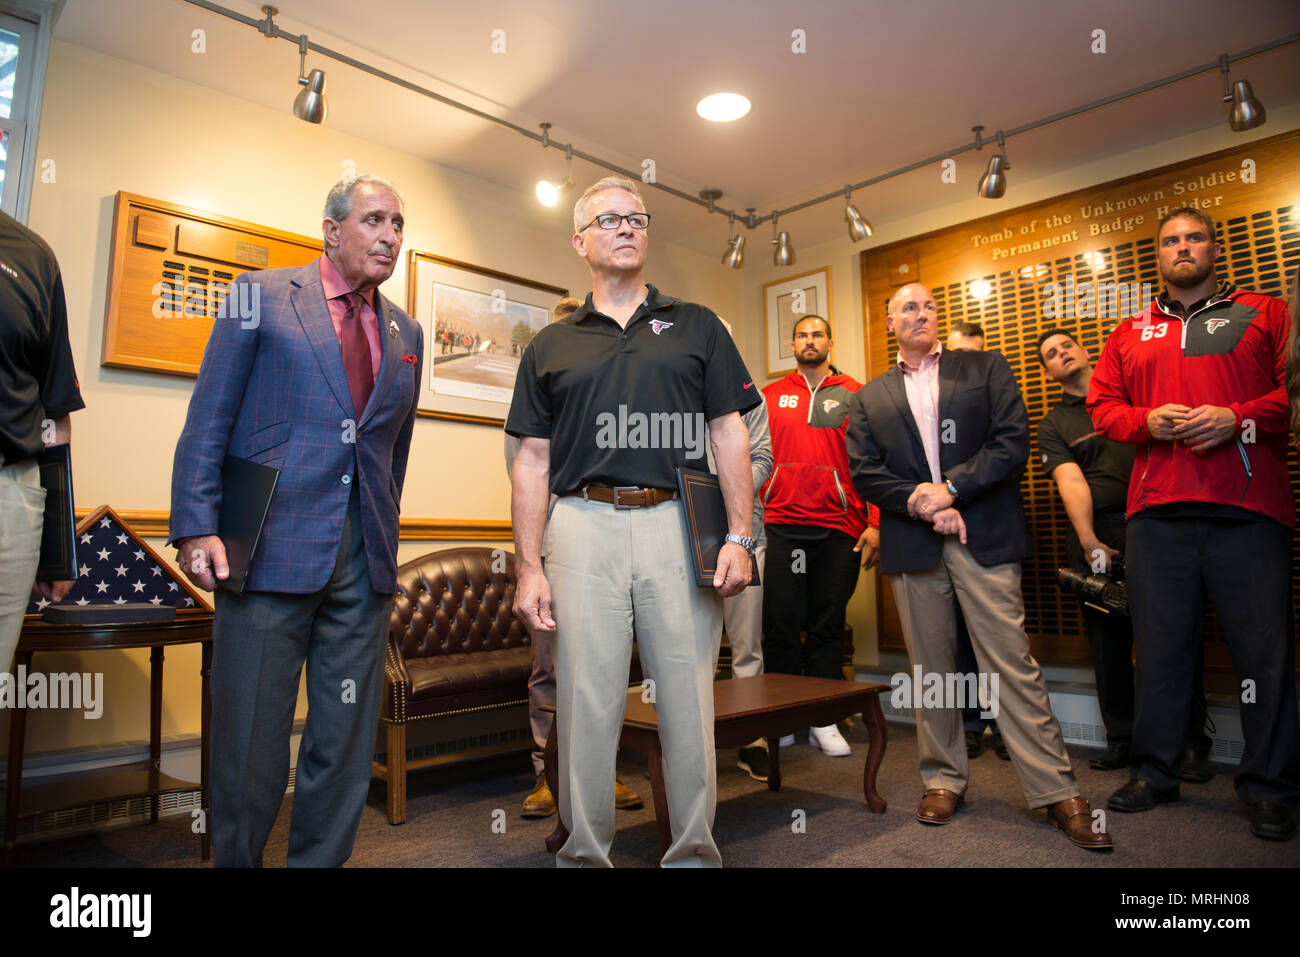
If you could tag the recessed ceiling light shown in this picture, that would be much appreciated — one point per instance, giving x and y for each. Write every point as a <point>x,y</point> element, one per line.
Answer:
<point>722,107</point>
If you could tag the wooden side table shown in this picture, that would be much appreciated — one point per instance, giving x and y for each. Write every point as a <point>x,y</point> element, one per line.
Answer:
<point>744,709</point>
<point>142,779</point>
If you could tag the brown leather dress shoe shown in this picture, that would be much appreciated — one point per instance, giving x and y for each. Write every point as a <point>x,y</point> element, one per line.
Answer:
<point>938,806</point>
<point>1074,817</point>
<point>625,799</point>
<point>540,803</point>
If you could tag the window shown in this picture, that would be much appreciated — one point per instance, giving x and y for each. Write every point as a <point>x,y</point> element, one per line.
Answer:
<point>25,27</point>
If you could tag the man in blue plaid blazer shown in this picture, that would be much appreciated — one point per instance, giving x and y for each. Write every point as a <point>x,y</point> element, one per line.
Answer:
<point>316,373</point>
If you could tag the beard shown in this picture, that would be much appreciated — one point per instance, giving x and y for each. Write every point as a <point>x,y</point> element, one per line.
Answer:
<point>1181,278</point>
<point>813,358</point>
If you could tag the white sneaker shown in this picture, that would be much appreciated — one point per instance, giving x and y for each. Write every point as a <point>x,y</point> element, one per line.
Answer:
<point>830,741</point>
<point>786,741</point>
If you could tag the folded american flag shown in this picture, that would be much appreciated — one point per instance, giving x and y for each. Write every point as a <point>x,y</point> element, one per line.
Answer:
<point>116,566</point>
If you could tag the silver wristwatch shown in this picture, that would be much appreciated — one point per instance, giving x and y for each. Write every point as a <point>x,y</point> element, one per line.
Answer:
<point>952,489</point>
<point>748,544</point>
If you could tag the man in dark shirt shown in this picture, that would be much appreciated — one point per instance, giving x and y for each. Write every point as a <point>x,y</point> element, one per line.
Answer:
<point>38,385</point>
<point>608,404</point>
<point>1092,474</point>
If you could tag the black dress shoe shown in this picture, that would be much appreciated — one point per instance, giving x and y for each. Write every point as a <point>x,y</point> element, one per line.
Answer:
<point>973,743</point>
<point>1273,822</point>
<point>1195,767</point>
<point>1140,795</point>
<point>1000,747</point>
<point>1112,759</point>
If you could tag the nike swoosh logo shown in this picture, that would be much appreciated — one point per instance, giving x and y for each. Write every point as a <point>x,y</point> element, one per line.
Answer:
<point>748,385</point>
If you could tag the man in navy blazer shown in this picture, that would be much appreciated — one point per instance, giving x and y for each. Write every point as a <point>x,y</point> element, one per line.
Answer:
<point>939,443</point>
<point>317,374</point>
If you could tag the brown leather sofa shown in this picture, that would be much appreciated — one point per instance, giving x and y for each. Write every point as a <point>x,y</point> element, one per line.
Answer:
<point>454,646</point>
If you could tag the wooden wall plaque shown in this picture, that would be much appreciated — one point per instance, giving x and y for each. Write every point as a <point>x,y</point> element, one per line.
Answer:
<point>168,271</point>
<point>1100,235</point>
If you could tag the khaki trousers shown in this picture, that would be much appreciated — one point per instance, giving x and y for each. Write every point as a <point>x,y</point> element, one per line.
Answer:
<point>994,608</point>
<point>610,570</point>
<point>742,616</point>
<point>22,516</point>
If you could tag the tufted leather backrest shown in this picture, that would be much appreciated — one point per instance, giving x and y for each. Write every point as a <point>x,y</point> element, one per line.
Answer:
<point>456,601</point>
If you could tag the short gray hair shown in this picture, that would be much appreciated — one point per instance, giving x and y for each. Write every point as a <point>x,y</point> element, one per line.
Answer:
<point>607,182</point>
<point>338,204</point>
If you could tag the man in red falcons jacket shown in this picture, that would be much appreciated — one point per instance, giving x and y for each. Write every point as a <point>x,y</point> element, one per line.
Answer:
<point>816,524</point>
<point>1196,382</point>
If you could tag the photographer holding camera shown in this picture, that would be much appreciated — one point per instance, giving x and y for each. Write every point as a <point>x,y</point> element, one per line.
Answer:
<point>1092,475</point>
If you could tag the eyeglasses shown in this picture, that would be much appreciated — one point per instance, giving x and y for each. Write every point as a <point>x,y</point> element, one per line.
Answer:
<point>614,220</point>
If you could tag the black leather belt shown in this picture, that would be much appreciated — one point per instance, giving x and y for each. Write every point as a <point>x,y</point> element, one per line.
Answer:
<point>624,496</point>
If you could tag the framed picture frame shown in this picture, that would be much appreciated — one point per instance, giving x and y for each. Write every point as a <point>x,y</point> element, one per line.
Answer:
<point>785,302</point>
<point>477,323</point>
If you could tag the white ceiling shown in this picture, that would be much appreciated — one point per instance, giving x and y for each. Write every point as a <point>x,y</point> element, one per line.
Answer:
<point>881,85</point>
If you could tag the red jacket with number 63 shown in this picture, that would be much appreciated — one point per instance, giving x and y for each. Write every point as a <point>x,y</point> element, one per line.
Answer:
<point>1229,352</point>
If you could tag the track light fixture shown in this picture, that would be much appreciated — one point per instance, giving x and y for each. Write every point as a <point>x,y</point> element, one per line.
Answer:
<point>859,228</point>
<point>310,103</point>
<point>1247,112</point>
<point>548,193</point>
<point>993,184</point>
<point>784,255</point>
<point>735,254</point>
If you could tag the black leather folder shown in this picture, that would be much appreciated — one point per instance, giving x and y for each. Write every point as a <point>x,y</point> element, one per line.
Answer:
<point>58,561</point>
<point>706,523</point>
<point>246,490</point>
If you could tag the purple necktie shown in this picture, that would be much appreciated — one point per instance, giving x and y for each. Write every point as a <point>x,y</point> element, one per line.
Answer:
<point>356,354</point>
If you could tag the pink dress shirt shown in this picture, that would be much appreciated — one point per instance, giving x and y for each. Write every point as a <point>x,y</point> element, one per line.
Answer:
<point>336,287</point>
<point>922,386</point>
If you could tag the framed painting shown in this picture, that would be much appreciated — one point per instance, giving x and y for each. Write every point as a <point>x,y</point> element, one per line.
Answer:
<point>477,323</point>
<point>785,302</point>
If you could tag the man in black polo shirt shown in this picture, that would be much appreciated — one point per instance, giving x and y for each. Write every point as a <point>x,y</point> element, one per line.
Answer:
<point>1092,475</point>
<point>38,390</point>
<point>607,404</point>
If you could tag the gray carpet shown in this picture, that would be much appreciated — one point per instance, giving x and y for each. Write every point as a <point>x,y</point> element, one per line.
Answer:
<point>450,815</point>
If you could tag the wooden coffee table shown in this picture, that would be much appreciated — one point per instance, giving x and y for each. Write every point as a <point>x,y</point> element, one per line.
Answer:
<point>744,709</point>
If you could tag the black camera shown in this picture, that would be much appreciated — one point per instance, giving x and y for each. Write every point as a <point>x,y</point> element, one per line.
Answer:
<point>1105,593</point>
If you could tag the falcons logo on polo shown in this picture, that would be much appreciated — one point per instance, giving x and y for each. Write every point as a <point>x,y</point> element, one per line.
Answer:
<point>828,404</point>
<point>1211,325</point>
<point>658,325</point>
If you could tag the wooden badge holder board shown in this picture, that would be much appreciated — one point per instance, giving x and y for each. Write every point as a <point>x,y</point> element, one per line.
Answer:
<point>169,270</point>
<point>1097,238</point>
